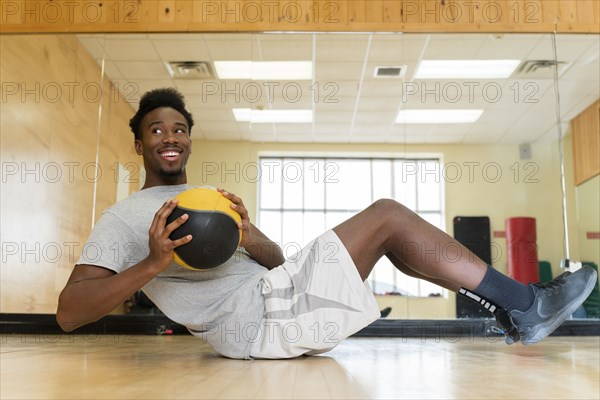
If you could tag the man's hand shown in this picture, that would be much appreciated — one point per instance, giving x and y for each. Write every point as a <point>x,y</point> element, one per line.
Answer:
<point>161,246</point>
<point>238,205</point>
<point>261,248</point>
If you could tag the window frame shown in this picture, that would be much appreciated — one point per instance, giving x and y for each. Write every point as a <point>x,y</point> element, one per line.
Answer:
<point>369,156</point>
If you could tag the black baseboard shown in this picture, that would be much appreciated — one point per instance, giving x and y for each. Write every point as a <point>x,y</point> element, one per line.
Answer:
<point>158,324</point>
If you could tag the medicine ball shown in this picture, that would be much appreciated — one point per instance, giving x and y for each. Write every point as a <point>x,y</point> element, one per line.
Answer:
<point>212,224</point>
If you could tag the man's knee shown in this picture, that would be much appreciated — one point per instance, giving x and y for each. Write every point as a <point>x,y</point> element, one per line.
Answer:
<point>391,210</point>
<point>387,206</point>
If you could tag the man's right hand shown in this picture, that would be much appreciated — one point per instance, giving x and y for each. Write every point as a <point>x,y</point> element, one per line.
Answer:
<point>161,246</point>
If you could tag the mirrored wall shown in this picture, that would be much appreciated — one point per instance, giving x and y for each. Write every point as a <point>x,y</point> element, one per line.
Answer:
<point>308,129</point>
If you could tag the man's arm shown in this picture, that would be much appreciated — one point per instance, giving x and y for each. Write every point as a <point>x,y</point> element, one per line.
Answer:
<point>92,292</point>
<point>266,252</point>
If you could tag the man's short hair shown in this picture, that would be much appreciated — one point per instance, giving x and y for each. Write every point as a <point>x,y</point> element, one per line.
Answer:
<point>157,98</point>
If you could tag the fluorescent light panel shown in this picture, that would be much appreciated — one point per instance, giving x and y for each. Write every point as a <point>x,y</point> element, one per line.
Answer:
<point>438,116</point>
<point>264,70</point>
<point>466,69</point>
<point>273,116</point>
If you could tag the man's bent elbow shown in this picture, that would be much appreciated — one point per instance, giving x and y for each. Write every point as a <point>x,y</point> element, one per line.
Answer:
<point>64,320</point>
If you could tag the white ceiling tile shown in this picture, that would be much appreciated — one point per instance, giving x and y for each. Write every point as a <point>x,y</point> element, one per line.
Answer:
<point>481,138</point>
<point>332,129</point>
<point>182,50</point>
<point>374,103</point>
<point>368,138</point>
<point>375,129</point>
<point>450,129</point>
<point>331,90</point>
<point>587,67</point>
<point>332,71</point>
<point>445,138</point>
<point>506,47</point>
<point>397,51</point>
<point>133,70</point>
<point>348,50</point>
<point>211,114</point>
<point>143,86</point>
<point>572,47</point>
<point>130,50</point>
<point>278,50</point>
<point>568,47</point>
<point>219,127</point>
<point>294,129</point>
<point>337,104</point>
<point>375,117</point>
<point>327,138</point>
<point>383,88</point>
<point>440,48</point>
<point>401,130</point>
<point>481,133</point>
<point>285,138</point>
<point>231,50</point>
<point>408,139</point>
<point>214,102</point>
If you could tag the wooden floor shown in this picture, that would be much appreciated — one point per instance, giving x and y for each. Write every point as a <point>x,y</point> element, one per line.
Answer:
<point>182,367</point>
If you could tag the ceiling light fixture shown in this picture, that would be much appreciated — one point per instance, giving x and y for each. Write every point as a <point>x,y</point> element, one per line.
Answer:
<point>438,116</point>
<point>264,70</point>
<point>466,69</point>
<point>273,116</point>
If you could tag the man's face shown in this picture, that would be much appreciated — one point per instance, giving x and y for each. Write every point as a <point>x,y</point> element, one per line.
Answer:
<point>165,145</point>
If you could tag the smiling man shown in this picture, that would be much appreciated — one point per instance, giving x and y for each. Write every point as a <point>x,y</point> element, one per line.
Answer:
<point>259,305</point>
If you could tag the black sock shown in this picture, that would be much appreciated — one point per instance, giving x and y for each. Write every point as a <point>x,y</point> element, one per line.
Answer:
<point>504,291</point>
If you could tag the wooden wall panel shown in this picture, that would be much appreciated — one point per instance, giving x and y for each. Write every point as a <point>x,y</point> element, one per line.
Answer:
<point>586,143</point>
<point>566,16</point>
<point>49,130</point>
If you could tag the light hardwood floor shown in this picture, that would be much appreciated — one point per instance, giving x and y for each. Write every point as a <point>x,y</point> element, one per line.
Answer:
<point>183,367</point>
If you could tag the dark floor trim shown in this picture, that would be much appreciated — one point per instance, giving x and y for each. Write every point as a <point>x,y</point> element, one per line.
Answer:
<point>158,324</point>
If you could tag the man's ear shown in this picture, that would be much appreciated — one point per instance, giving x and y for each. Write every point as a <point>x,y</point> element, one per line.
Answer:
<point>139,147</point>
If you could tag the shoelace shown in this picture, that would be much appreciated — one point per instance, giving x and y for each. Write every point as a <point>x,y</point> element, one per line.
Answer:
<point>554,284</point>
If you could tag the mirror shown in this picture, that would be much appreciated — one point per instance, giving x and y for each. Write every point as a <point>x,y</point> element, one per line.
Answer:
<point>65,137</point>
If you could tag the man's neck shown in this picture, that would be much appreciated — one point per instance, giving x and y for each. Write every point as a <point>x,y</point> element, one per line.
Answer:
<point>162,182</point>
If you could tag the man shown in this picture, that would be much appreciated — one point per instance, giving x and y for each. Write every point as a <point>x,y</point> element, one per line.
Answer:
<point>257,304</point>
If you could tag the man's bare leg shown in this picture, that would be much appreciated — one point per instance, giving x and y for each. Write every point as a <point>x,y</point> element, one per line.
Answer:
<point>387,227</point>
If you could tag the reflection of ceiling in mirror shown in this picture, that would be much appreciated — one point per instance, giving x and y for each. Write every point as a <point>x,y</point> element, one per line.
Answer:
<point>348,103</point>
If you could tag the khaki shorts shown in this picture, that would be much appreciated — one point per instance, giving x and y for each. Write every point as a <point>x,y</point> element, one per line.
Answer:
<point>313,301</point>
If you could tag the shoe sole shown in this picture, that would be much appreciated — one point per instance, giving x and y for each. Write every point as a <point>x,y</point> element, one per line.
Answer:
<point>545,330</point>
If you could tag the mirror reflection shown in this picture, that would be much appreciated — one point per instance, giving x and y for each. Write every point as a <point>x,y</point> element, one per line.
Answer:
<point>473,132</point>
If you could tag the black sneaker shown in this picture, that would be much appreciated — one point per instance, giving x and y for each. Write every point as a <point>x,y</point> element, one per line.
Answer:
<point>511,333</point>
<point>554,302</point>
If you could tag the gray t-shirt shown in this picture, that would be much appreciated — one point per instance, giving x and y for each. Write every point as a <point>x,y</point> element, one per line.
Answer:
<point>223,305</point>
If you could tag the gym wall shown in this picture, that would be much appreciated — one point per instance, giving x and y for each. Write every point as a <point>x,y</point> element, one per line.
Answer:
<point>49,167</point>
<point>66,132</point>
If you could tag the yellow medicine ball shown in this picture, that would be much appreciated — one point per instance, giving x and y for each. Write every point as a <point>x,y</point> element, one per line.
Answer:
<point>212,224</point>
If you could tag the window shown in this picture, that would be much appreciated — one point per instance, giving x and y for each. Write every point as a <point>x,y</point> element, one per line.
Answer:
<point>302,197</point>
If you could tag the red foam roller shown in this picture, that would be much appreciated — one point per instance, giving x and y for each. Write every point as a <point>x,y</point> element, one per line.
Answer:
<point>521,244</point>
